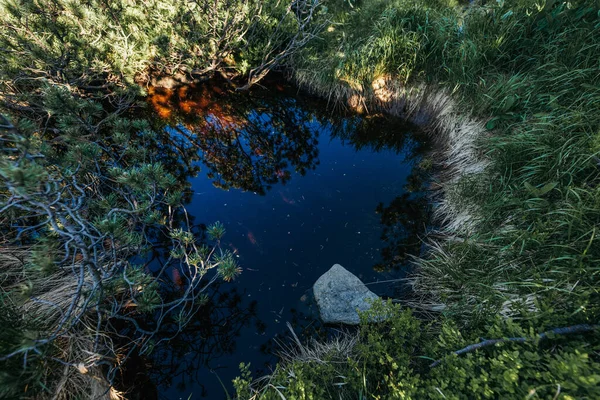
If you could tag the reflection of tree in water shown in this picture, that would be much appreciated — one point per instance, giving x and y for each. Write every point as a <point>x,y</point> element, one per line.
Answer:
<point>211,334</point>
<point>404,222</point>
<point>251,142</point>
<point>248,143</point>
<point>380,132</point>
<point>404,219</point>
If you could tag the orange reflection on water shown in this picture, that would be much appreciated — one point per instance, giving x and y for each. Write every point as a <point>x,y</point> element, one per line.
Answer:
<point>245,141</point>
<point>160,98</point>
<point>202,102</point>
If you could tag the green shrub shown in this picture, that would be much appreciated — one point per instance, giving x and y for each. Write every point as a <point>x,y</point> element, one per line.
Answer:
<point>392,360</point>
<point>16,375</point>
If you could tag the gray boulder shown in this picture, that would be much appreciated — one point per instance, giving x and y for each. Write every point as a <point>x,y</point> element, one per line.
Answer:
<point>340,295</point>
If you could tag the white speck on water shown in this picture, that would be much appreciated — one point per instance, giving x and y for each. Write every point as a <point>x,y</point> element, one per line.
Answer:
<point>225,204</point>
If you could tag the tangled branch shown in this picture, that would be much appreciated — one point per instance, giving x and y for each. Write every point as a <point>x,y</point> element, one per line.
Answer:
<point>94,216</point>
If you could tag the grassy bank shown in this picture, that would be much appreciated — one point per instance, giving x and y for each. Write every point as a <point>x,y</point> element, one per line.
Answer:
<point>529,75</point>
<point>510,91</point>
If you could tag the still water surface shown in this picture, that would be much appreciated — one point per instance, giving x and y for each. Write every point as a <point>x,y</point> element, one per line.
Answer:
<point>299,187</point>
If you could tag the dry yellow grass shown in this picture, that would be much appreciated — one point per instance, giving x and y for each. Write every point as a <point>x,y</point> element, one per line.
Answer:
<point>76,371</point>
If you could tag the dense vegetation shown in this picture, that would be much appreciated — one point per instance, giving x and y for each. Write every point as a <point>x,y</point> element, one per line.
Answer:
<point>531,71</point>
<point>86,187</point>
<point>393,360</point>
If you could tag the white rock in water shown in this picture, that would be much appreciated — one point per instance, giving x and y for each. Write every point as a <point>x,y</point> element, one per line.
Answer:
<point>340,295</point>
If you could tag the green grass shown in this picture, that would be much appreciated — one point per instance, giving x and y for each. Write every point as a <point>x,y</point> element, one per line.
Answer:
<point>531,72</point>
<point>519,249</point>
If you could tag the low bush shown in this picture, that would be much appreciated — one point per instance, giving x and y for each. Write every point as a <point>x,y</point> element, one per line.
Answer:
<point>405,358</point>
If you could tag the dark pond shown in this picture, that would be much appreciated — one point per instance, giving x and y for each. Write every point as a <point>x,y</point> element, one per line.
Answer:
<point>299,187</point>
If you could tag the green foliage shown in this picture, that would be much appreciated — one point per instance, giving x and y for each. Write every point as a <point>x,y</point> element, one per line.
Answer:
<point>528,68</point>
<point>242,383</point>
<point>15,377</point>
<point>96,43</point>
<point>216,231</point>
<point>227,266</point>
<point>392,360</point>
<point>43,257</point>
<point>89,180</point>
<point>149,299</point>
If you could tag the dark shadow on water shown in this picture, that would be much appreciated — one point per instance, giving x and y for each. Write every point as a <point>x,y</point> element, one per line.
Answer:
<point>210,336</point>
<point>405,221</point>
<point>182,363</point>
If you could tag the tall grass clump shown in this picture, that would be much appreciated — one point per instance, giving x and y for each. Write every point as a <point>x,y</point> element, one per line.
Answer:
<point>535,246</point>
